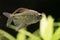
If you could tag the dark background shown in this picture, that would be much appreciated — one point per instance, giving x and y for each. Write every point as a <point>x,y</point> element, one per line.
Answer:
<point>50,7</point>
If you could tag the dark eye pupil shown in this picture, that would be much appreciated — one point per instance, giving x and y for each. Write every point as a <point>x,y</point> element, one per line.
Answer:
<point>39,17</point>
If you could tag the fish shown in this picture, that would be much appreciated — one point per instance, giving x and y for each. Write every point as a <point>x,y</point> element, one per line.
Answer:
<point>22,17</point>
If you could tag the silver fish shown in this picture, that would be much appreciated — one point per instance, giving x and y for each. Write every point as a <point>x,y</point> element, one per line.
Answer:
<point>24,18</point>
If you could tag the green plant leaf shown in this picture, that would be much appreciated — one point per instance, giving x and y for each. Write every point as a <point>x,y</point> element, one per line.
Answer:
<point>37,33</point>
<point>6,35</point>
<point>46,27</point>
<point>56,35</point>
<point>21,36</point>
<point>57,24</point>
<point>30,35</point>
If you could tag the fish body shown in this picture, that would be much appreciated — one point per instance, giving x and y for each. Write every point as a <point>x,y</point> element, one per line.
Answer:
<point>23,18</point>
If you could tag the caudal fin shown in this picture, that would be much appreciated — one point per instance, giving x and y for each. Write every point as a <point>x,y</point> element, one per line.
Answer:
<point>6,14</point>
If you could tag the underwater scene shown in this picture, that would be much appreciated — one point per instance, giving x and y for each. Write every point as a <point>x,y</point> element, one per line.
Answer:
<point>29,20</point>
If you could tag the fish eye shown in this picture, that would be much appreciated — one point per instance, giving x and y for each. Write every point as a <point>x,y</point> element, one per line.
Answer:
<point>39,17</point>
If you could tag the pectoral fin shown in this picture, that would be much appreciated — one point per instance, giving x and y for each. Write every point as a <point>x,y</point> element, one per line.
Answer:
<point>16,22</point>
<point>20,27</point>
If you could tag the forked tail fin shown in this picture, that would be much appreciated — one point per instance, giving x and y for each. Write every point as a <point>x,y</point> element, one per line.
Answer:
<point>10,18</point>
<point>6,14</point>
